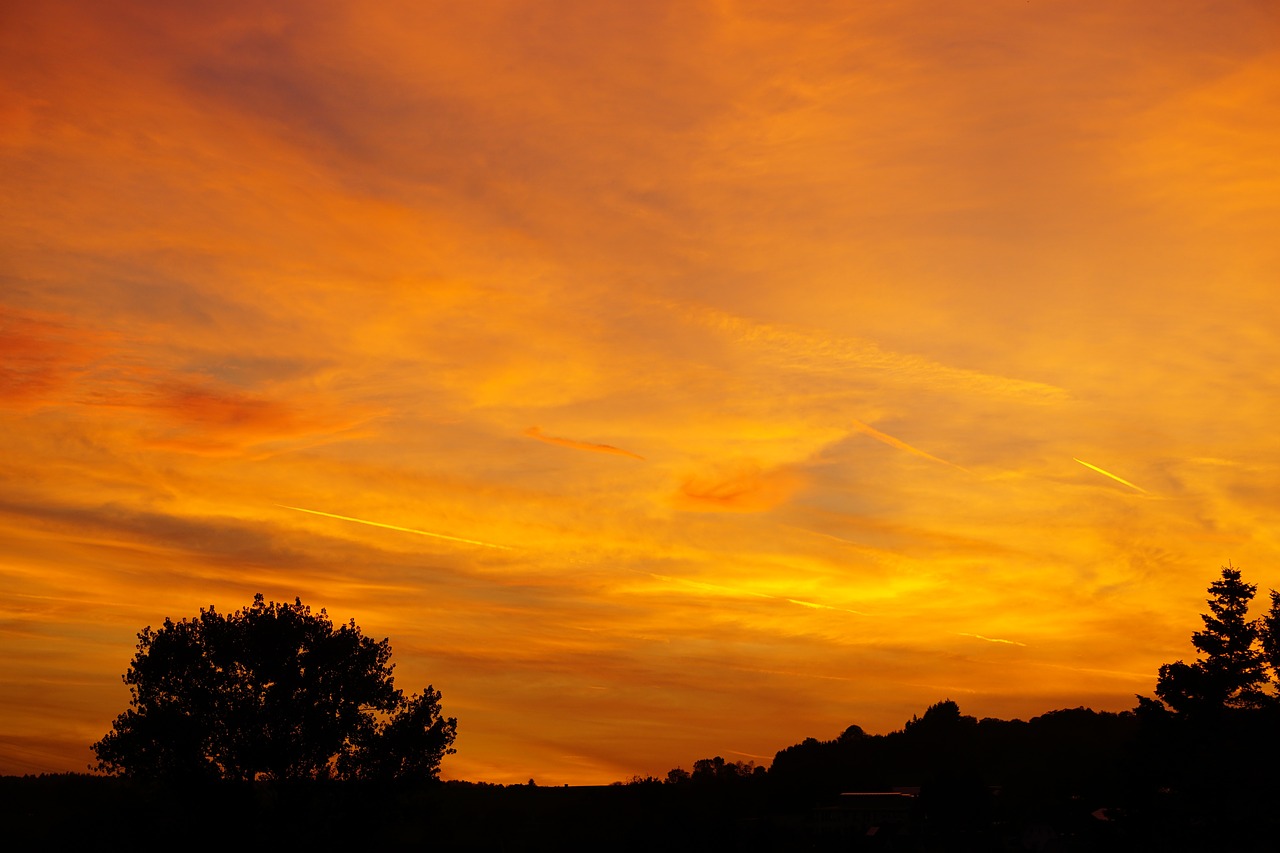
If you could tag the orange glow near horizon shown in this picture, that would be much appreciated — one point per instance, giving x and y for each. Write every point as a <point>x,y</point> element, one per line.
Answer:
<point>344,255</point>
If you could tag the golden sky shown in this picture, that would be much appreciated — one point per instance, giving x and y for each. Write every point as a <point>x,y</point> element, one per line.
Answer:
<point>718,374</point>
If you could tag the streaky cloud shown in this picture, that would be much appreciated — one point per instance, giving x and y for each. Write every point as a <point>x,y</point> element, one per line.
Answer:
<point>535,432</point>
<point>797,348</point>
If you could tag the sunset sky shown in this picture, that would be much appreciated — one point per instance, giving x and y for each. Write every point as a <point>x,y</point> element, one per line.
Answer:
<point>717,374</point>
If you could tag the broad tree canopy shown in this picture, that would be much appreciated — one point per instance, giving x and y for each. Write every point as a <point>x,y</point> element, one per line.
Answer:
<point>272,691</point>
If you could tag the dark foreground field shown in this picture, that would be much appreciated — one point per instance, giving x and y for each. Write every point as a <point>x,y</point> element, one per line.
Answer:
<point>56,812</point>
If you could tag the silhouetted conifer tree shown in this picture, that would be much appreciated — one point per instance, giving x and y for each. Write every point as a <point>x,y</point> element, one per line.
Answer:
<point>1231,671</point>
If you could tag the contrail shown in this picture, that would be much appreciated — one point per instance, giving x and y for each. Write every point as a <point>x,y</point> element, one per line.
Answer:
<point>992,639</point>
<point>1111,672</point>
<point>735,591</point>
<point>395,527</point>
<point>901,445</point>
<point>1112,476</point>
<point>816,606</point>
<point>535,432</point>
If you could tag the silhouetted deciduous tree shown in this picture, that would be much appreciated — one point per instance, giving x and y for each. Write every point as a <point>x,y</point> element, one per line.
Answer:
<point>718,770</point>
<point>1231,671</point>
<point>943,717</point>
<point>272,691</point>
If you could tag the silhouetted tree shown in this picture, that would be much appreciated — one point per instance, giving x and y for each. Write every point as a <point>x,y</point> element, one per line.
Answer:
<point>940,717</point>
<point>409,745</point>
<point>1212,757</point>
<point>1231,672</point>
<point>1269,633</point>
<point>272,691</point>
<point>852,734</point>
<point>677,776</point>
<point>718,770</point>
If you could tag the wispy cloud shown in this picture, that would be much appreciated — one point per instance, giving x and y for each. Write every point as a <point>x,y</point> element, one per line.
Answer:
<point>42,356</point>
<point>785,346</point>
<point>741,486</point>
<point>234,275</point>
<point>535,432</point>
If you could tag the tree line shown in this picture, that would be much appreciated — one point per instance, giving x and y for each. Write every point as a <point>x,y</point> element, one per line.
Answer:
<point>1191,768</point>
<point>276,692</point>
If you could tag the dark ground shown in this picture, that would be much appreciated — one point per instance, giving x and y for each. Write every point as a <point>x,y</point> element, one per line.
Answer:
<point>62,811</point>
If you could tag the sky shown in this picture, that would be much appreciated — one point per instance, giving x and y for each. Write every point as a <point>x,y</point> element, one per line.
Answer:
<point>712,375</point>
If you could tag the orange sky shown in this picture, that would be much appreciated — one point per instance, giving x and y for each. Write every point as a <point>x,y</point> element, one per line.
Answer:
<point>766,341</point>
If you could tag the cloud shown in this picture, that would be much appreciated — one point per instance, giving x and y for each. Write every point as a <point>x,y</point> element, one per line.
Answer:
<point>535,432</point>
<point>42,355</point>
<point>221,409</point>
<point>338,250</point>
<point>229,541</point>
<point>739,486</point>
<point>49,360</point>
<point>795,348</point>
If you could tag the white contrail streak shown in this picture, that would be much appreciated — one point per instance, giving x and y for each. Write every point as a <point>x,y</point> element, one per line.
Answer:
<point>992,639</point>
<point>397,527</point>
